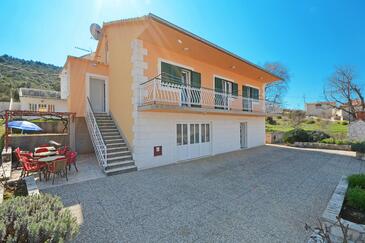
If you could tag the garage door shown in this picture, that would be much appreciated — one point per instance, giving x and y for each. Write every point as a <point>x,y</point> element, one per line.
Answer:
<point>193,140</point>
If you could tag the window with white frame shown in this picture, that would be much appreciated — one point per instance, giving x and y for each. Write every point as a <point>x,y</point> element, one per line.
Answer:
<point>192,133</point>
<point>33,107</point>
<point>205,133</point>
<point>51,108</point>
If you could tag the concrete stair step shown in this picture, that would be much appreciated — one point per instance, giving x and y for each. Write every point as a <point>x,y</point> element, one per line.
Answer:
<point>110,133</point>
<point>119,158</point>
<point>119,164</point>
<point>118,153</point>
<point>115,145</point>
<point>114,141</point>
<point>117,148</point>
<point>120,170</point>
<point>108,137</point>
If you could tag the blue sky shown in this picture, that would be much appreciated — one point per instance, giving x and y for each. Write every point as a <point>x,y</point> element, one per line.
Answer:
<point>309,37</point>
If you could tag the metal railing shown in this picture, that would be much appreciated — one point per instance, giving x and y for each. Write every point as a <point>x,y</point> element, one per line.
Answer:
<point>169,91</point>
<point>96,137</point>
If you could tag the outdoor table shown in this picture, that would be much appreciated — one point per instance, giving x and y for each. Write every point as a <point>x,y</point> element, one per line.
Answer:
<point>51,158</point>
<point>42,154</point>
<point>50,148</point>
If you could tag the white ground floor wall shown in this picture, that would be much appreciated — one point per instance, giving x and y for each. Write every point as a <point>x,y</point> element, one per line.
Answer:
<point>159,129</point>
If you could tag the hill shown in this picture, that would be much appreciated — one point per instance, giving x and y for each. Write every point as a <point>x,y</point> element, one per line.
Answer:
<point>16,73</point>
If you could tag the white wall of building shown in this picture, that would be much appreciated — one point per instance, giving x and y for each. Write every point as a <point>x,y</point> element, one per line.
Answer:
<point>60,105</point>
<point>153,129</point>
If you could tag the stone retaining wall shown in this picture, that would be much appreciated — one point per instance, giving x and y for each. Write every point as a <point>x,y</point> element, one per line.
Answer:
<point>30,141</point>
<point>357,130</point>
<point>356,232</point>
<point>322,146</point>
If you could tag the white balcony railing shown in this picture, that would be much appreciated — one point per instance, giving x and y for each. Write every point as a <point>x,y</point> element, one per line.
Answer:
<point>96,137</point>
<point>158,91</point>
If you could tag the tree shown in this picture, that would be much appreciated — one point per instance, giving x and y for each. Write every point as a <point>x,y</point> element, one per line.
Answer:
<point>274,92</point>
<point>343,89</point>
<point>296,117</point>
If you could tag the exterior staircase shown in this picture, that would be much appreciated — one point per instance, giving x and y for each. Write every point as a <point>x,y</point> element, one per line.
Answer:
<point>118,157</point>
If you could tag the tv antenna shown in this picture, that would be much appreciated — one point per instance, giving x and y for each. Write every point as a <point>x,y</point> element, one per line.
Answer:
<point>95,31</point>
<point>83,49</point>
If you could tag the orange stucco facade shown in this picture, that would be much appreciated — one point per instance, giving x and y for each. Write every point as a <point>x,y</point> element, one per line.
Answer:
<point>113,59</point>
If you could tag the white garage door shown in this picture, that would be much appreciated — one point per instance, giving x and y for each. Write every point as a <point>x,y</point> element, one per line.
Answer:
<point>193,140</point>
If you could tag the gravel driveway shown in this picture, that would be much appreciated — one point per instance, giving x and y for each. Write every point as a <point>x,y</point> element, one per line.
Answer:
<point>264,194</point>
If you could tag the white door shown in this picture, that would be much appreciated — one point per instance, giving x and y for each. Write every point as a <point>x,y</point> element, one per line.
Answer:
<point>192,140</point>
<point>185,79</point>
<point>243,134</point>
<point>97,94</point>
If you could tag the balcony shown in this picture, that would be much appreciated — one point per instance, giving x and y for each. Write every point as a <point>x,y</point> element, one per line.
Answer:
<point>161,94</point>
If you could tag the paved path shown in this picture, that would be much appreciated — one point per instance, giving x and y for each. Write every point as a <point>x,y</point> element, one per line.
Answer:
<point>264,194</point>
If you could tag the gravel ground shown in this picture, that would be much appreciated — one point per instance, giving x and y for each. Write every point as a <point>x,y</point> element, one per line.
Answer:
<point>264,194</point>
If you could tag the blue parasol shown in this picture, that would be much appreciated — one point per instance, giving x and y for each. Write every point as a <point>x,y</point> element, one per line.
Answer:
<point>24,125</point>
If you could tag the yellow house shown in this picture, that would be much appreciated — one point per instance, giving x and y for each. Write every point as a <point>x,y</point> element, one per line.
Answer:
<point>154,94</point>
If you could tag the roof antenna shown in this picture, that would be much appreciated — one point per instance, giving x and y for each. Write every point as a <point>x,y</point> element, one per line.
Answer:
<point>83,49</point>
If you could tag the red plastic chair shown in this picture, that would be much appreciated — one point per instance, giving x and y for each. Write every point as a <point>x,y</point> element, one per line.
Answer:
<point>71,159</point>
<point>31,165</point>
<point>19,153</point>
<point>63,150</point>
<point>41,150</point>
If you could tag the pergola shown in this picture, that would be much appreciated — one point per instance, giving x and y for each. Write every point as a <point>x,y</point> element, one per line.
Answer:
<point>10,114</point>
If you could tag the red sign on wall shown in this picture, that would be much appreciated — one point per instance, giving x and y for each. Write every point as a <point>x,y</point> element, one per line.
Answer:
<point>157,150</point>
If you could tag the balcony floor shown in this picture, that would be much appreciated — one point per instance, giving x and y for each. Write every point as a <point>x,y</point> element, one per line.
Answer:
<point>187,109</point>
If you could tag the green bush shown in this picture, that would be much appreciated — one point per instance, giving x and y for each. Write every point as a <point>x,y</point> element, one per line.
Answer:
<point>310,121</point>
<point>344,123</point>
<point>358,147</point>
<point>296,135</point>
<point>356,180</point>
<point>356,198</point>
<point>270,120</point>
<point>316,136</point>
<point>279,117</point>
<point>39,218</point>
<point>335,141</point>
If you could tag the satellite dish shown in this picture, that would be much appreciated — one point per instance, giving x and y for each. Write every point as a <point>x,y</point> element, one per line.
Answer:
<point>95,31</point>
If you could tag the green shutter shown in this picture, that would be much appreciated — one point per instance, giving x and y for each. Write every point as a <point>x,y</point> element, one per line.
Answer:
<point>195,83</point>
<point>170,73</point>
<point>218,84</point>
<point>245,91</point>
<point>255,93</point>
<point>195,80</point>
<point>235,89</point>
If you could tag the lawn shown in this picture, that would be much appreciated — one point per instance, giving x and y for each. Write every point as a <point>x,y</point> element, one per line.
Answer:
<point>335,129</point>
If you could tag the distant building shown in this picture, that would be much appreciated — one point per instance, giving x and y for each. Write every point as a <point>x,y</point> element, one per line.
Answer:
<point>41,100</point>
<point>325,110</point>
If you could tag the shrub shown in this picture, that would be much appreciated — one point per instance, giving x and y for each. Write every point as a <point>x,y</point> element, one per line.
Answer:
<point>335,141</point>
<point>39,218</point>
<point>270,120</point>
<point>316,136</point>
<point>296,135</point>
<point>279,117</point>
<point>344,123</point>
<point>356,180</point>
<point>358,147</point>
<point>356,198</point>
<point>310,121</point>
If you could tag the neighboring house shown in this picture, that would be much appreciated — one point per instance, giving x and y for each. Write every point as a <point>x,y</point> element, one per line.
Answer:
<point>41,100</point>
<point>325,110</point>
<point>155,94</point>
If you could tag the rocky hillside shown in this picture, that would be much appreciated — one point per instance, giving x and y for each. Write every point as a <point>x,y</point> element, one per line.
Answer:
<point>16,73</point>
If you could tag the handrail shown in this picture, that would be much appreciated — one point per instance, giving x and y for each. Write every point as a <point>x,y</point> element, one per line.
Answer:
<point>96,137</point>
<point>168,90</point>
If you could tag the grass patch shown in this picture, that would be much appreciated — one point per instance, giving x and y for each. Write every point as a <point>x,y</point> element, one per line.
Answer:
<point>335,129</point>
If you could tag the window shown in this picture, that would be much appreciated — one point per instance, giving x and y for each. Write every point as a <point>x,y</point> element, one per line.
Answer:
<point>194,133</point>
<point>33,107</point>
<point>51,108</point>
<point>250,92</point>
<point>205,133</point>
<point>181,134</point>
<point>42,107</point>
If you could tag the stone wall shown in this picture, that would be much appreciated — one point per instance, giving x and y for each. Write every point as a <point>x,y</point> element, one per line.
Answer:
<point>274,137</point>
<point>357,131</point>
<point>356,232</point>
<point>30,141</point>
<point>322,146</point>
<point>83,142</point>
